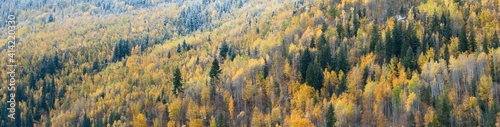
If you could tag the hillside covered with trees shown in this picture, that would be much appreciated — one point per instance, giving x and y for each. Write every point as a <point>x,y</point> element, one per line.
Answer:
<point>221,63</point>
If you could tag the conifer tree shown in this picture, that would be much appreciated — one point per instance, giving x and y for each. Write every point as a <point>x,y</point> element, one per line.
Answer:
<point>494,41</point>
<point>341,62</point>
<point>177,81</point>
<point>325,56</point>
<point>215,69</point>
<point>375,38</point>
<point>463,42</point>
<point>305,59</point>
<point>330,117</point>
<point>472,40</point>
<point>314,76</point>
<point>485,45</point>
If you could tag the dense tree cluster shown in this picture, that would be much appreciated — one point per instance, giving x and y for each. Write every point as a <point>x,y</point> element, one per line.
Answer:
<point>256,63</point>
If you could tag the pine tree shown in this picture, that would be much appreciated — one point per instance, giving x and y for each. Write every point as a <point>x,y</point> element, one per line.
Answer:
<point>494,41</point>
<point>340,31</point>
<point>305,59</point>
<point>330,117</point>
<point>341,62</point>
<point>32,81</point>
<point>463,42</point>
<point>312,45</point>
<point>389,49</point>
<point>222,121</point>
<point>265,71</point>
<point>409,60</point>
<point>411,39</point>
<point>51,18</point>
<point>485,45</point>
<point>179,50</point>
<point>325,56</point>
<point>446,31</point>
<point>375,38</point>
<point>215,69</point>
<point>446,54</point>
<point>86,121</point>
<point>177,81</point>
<point>121,50</point>
<point>314,76</point>
<point>444,111</point>
<point>356,23</point>
<point>342,85</point>
<point>95,65</point>
<point>223,50</point>
<point>397,39</point>
<point>472,40</point>
<point>434,24</point>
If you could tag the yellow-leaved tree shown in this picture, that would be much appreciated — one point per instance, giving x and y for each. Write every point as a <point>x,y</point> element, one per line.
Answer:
<point>140,121</point>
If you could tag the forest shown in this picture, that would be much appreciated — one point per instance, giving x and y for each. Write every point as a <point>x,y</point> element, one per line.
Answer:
<point>246,63</point>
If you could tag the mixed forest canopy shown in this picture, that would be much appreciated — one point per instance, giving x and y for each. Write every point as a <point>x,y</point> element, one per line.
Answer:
<point>222,63</point>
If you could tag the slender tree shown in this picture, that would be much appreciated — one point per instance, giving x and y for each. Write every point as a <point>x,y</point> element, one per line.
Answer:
<point>375,38</point>
<point>305,59</point>
<point>177,81</point>
<point>330,117</point>
<point>463,42</point>
<point>215,69</point>
<point>494,41</point>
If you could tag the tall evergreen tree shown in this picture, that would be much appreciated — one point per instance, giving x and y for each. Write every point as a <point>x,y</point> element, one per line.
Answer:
<point>179,49</point>
<point>340,31</point>
<point>121,50</point>
<point>356,24</point>
<point>472,40</point>
<point>444,110</point>
<point>305,59</point>
<point>341,62</point>
<point>463,43</point>
<point>215,69</point>
<point>446,31</point>
<point>446,54</point>
<point>314,76</point>
<point>389,49</point>
<point>397,38</point>
<point>411,40</point>
<point>330,117</point>
<point>434,24</point>
<point>224,49</point>
<point>409,60</point>
<point>342,85</point>
<point>375,38</point>
<point>312,44</point>
<point>177,81</point>
<point>485,45</point>
<point>325,55</point>
<point>494,41</point>
<point>265,71</point>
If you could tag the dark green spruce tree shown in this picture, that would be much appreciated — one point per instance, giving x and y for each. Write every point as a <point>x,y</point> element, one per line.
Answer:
<point>463,43</point>
<point>375,38</point>
<point>397,39</point>
<point>177,81</point>
<point>330,117</point>
<point>494,41</point>
<point>472,40</point>
<point>485,45</point>
<point>325,53</point>
<point>341,62</point>
<point>305,59</point>
<point>314,76</point>
<point>215,69</point>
